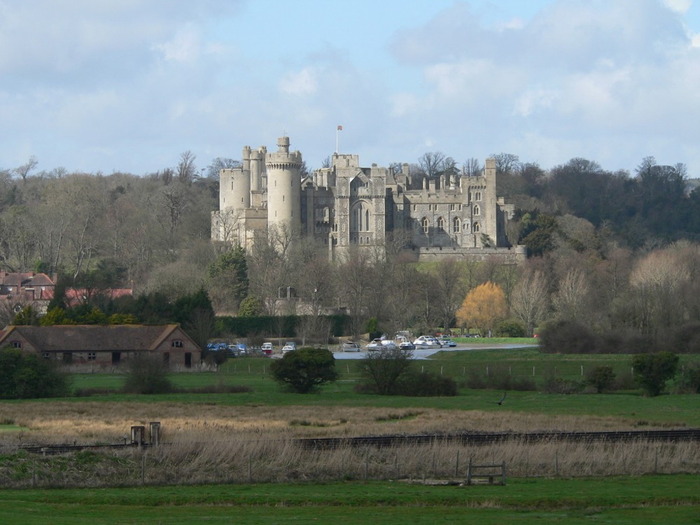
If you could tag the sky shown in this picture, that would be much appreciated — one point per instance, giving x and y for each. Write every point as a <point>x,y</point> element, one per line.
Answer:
<point>129,85</point>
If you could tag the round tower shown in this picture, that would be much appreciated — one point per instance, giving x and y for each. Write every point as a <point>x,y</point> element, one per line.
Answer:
<point>283,188</point>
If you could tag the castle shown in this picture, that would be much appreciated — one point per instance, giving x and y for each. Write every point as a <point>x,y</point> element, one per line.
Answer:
<point>346,205</point>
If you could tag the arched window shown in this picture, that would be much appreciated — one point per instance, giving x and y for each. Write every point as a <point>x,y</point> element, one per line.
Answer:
<point>441,224</point>
<point>476,227</point>
<point>477,210</point>
<point>425,224</point>
<point>456,224</point>
<point>359,218</point>
<point>477,196</point>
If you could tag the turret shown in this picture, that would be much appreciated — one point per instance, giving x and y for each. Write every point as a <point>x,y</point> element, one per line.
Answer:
<point>283,188</point>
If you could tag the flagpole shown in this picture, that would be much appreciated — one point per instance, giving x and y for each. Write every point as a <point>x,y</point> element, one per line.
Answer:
<point>338,129</point>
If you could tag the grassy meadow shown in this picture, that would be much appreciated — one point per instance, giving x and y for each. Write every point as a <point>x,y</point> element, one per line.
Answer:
<point>248,439</point>
<point>648,499</point>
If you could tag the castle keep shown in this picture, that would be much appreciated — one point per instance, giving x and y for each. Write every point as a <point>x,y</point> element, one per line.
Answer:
<point>348,205</point>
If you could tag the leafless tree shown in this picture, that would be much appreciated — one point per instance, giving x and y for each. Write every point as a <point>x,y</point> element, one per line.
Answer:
<point>24,169</point>
<point>529,300</point>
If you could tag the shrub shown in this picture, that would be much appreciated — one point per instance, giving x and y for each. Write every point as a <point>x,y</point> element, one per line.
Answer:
<point>559,385</point>
<point>686,338</point>
<point>424,384</point>
<point>689,379</point>
<point>601,378</point>
<point>510,328</point>
<point>499,378</point>
<point>567,337</point>
<point>305,369</point>
<point>147,374</point>
<point>382,370</point>
<point>25,375</point>
<point>651,371</point>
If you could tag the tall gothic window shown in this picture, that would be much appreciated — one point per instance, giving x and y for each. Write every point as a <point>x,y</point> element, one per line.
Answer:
<point>456,224</point>
<point>477,210</point>
<point>425,224</point>
<point>359,218</point>
<point>441,224</point>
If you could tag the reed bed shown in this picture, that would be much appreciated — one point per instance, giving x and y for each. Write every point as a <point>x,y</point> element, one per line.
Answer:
<point>251,459</point>
<point>207,443</point>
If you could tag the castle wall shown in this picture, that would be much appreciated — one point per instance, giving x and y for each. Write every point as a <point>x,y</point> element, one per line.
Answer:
<point>347,205</point>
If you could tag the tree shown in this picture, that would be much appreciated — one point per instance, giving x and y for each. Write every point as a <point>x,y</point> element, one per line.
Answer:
<point>382,370</point>
<point>305,369</point>
<point>25,375</point>
<point>528,302</point>
<point>147,374</point>
<point>24,169</point>
<point>483,307</point>
<point>601,377</point>
<point>432,163</point>
<point>228,280</point>
<point>652,371</point>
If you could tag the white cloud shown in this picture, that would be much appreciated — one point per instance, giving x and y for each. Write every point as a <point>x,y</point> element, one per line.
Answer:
<point>679,6</point>
<point>300,83</point>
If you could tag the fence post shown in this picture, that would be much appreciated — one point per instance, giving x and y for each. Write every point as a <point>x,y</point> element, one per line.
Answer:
<point>457,465</point>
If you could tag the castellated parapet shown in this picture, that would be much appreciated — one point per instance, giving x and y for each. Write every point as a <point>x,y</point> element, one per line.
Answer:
<point>347,205</point>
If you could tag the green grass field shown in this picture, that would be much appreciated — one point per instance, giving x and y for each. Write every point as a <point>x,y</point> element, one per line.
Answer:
<point>671,410</point>
<point>639,500</point>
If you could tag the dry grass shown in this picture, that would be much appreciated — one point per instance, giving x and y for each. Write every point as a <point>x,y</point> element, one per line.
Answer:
<point>99,422</point>
<point>214,444</point>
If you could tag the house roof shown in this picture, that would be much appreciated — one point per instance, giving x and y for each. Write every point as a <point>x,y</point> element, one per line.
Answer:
<point>25,279</point>
<point>95,338</point>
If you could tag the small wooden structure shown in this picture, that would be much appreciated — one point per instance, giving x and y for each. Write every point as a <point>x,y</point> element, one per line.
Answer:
<point>491,474</point>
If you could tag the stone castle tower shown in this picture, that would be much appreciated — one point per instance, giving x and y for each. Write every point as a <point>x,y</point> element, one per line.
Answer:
<point>347,205</point>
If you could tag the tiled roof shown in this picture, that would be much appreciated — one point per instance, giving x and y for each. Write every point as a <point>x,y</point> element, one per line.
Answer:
<point>76,338</point>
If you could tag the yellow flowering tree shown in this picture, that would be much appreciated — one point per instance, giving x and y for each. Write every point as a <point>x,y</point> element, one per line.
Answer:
<point>483,307</point>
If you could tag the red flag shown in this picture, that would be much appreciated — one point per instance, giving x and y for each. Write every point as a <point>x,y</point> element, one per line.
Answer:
<point>340,128</point>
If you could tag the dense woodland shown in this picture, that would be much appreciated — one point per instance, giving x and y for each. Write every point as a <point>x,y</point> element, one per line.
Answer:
<point>609,252</point>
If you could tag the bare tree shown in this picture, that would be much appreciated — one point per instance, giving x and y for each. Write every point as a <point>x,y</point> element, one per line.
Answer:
<point>529,299</point>
<point>432,163</point>
<point>186,170</point>
<point>24,169</point>
<point>472,167</point>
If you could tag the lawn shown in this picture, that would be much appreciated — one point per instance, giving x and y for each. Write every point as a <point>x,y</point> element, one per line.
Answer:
<point>623,500</point>
<point>667,410</point>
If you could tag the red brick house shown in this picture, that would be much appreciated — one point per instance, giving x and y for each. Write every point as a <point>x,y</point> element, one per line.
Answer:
<point>22,289</point>
<point>105,346</point>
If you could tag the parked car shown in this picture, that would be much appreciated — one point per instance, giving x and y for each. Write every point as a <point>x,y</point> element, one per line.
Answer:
<point>237,349</point>
<point>267,348</point>
<point>407,345</point>
<point>289,346</point>
<point>427,341</point>
<point>447,342</point>
<point>351,346</point>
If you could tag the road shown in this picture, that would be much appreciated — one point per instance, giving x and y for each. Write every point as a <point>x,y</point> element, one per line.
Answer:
<point>424,353</point>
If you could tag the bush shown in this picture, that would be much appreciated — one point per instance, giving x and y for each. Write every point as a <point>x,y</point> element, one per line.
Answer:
<point>25,375</point>
<point>305,369</point>
<point>567,337</point>
<point>499,378</point>
<point>425,384</point>
<point>559,385</point>
<point>601,378</point>
<point>689,379</point>
<point>382,370</point>
<point>147,374</point>
<point>651,371</point>
<point>686,339</point>
<point>510,328</point>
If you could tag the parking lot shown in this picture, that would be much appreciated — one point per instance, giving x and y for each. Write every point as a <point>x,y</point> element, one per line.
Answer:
<point>424,353</point>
